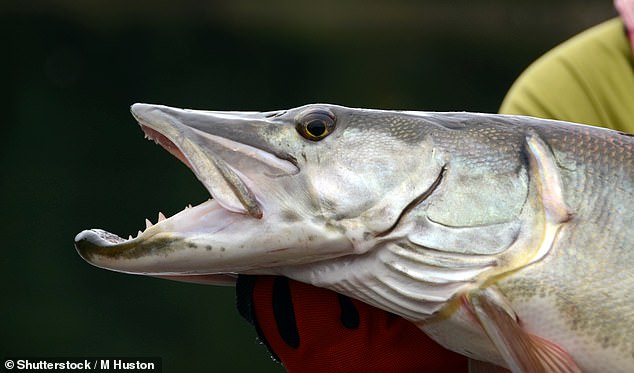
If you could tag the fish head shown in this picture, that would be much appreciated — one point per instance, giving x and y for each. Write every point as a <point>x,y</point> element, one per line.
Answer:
<point>288,187</point>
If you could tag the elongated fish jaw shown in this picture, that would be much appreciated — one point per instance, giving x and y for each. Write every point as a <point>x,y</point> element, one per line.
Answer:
<point>215,145</point>
<point>240,229</point>
<point>143,254</point>
<point>208,239</point>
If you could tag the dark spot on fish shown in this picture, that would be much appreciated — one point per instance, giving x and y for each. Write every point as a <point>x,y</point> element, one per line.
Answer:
<point>223,249</point>
<point>290,215</point>
<point>329,204</point>
<point>279,250</point>
<point>209,248</point>
<point>310,238</point>
<point>366,235</point>
<point>191,245</point>
<point>304,156</point>
<point>336,228</point>
<point>275,114</point>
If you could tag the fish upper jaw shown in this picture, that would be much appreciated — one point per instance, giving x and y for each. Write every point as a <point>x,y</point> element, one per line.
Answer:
<point>227,162</point>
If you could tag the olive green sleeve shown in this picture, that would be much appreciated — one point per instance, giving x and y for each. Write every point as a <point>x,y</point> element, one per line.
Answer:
<point>587,79</point>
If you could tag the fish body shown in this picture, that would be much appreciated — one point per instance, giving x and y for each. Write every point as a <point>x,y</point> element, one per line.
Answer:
<point>508,239</point>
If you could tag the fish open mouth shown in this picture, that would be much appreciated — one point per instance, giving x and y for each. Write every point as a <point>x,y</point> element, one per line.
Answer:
<point>222,164</point>
<point>166,143</point>
<point>185,220</point>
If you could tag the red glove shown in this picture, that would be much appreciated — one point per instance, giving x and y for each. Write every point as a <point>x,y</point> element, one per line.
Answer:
<point>310,329</point>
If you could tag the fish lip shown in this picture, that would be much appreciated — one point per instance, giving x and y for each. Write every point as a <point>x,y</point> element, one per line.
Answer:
<point>92,242</point>
<point>98,242</point>
<point>87,240</point>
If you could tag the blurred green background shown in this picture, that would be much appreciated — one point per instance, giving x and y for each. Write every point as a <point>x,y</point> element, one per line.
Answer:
<point>73,157</point>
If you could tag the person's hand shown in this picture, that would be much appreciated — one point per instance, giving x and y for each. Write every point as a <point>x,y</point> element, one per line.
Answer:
<point>311,329</point>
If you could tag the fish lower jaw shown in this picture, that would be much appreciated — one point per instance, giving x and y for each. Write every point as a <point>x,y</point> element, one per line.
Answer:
<point>184,220</point>
<point>206,216</point>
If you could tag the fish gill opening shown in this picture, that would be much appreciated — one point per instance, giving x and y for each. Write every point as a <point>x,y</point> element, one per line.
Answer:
<point>416,201</point>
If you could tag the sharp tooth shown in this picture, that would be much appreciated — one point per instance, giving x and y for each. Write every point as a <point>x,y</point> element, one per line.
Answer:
<point>148,223</point>
<point>161,216</point>
<point>190,205</point>
<point>138,234</point>
<point>129,238</point>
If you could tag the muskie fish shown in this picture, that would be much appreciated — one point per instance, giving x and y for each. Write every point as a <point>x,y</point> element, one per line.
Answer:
<point>507,239</point>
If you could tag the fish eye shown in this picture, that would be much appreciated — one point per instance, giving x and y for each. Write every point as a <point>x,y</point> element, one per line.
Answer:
<point>316,124</point>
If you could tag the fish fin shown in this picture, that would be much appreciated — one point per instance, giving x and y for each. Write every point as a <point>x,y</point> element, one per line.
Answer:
<point>544,168</point>
<point>521,350</point>
<point>477,366</point>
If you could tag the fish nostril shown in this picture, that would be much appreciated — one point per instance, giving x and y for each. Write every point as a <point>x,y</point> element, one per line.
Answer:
<point>275,114</point>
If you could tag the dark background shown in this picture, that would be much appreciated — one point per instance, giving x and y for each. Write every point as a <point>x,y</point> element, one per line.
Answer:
<point>73,158</point>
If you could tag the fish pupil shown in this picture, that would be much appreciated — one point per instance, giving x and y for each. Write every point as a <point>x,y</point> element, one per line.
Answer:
<point>316,128</point>
<point>315,124</point>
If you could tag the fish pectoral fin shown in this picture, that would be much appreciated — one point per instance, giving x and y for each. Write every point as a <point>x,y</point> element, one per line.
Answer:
<point>521,350</point>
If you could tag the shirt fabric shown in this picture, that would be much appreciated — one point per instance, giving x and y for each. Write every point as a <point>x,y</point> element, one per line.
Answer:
<point>588,79</point>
